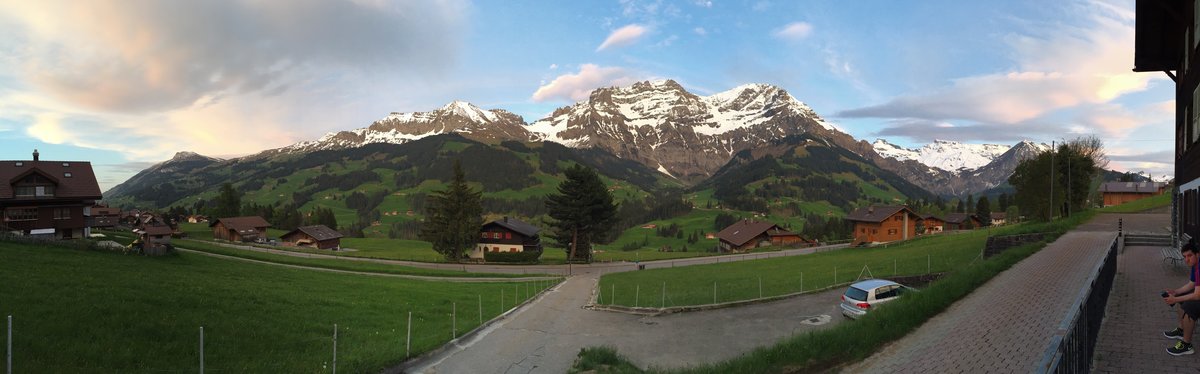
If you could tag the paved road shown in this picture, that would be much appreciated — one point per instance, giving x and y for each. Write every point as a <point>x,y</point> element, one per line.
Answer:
<point>547,335</point>
<point>1007,324</point>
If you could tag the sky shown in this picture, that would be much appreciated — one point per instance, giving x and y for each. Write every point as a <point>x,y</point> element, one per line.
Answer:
<point>126,84</point>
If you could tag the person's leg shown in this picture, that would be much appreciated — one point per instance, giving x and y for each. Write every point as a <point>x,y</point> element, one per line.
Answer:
<point>1188,324</point>
<point>1191,311</point>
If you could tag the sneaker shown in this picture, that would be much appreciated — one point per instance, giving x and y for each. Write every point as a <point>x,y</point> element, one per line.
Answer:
<point>1177,334</point>
<point>1180,348</point>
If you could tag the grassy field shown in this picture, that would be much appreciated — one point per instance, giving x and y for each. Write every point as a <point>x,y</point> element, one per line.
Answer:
<point>89,311</point>
<point>694,285</point>
<point>848,342</point>
<point>1157,201</point>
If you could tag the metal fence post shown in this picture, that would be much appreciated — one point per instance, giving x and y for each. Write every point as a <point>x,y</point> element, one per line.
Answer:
<point>480,309</point>
<point>637,294</point>
<point>10,349</point>
<point>201,349</point>
<point>802,281</point>
<point>408,337</point>
<point>453,320</point>
<point>335,348</point>
<point>835,275</point>
<point>714,292</point>
<point>613,295</point>
<point>501,300</point>
<point>664,295</point>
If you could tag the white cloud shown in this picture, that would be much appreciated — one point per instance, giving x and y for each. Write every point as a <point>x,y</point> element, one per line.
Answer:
<point>553,66</point>
<point>703,3</point>
<point>578,86</point>
<point>700,31</point>
<point>794,31</point>
<point>623,37</point>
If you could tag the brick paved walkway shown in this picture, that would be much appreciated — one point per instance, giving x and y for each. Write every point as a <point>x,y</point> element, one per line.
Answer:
<point>1006,325</point>
<point>1130,337</point>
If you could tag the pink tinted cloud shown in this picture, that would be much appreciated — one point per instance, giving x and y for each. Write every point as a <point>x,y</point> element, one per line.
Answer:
<point>577,86</point>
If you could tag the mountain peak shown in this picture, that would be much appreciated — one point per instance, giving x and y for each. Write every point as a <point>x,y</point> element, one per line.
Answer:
<point>187,156</point>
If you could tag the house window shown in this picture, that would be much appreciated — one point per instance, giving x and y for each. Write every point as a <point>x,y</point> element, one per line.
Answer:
<point>67,174</point>
<point>863,230</point>
<point>896,219</point>
<point>495,235</point>
<point>21,214</point>
<point>495,249</point>
<point>62,213</point>
<point>874,231</point>
<point>893,231</point>
<point>483,235</point>
<point>508,235</point>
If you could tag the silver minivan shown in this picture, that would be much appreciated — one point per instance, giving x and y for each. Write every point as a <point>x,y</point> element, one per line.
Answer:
<point>864,295</point>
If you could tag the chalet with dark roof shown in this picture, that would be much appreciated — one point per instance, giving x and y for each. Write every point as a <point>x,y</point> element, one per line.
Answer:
<point>1117,193</point>
<point>883,223</point>
<point>999,218</point>
<point>932,224</point>
<point>317,236</point>
<point>507,235</point>
<point>47,198</point>
<point>103,216</point>
<point>240,229</point>
<point>962,221</point>
<point>746,234</point>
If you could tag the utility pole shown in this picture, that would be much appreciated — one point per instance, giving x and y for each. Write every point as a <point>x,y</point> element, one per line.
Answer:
<point>1052,151</point>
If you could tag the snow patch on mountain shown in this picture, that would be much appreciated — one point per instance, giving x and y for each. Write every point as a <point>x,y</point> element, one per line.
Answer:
<point>944,154</point>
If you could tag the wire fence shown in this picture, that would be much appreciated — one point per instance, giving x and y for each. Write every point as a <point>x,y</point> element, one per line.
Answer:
<point>366,343</point>
<point>729,287</point>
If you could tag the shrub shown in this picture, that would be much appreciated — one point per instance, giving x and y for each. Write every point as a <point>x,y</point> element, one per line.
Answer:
<point>526,257</point>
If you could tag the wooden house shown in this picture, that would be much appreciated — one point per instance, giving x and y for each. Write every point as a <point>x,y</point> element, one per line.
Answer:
<point>932,224</point>
<point>507,235</point>
<point>240,229</point>
<point>317,236</point>
<point>1117,193</point>
<point>103,216</point>
<point>883,223</point>
<point>962,221</point>
<point>999,218</point>
<point>47,198</point>
<point>1165,42</point>
<point>154,235</point>
<point>747,234</point>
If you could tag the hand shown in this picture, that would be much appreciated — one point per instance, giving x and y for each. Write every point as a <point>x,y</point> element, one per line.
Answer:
<point>1169,300</point>
<point>1170,292</point>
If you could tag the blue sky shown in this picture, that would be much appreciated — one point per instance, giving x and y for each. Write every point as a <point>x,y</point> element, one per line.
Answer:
<point>128,84</point>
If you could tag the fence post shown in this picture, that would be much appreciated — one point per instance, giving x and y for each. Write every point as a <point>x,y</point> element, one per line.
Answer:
<point>335,348</point>
<point>516,290</point>
<point>480,309</point>
<point>760,286</point>
<point>895,267</point>
<point>928,264</point>
<point>501,300</point>
<point>201,349</point>
<point>10,349</point>
<point>802,282</point>
<point>664,295</point>
<point>637,294</point>
<point>408,337</point>
<point>714,292</point>
<point>453,320</point>
<point>835,275</point>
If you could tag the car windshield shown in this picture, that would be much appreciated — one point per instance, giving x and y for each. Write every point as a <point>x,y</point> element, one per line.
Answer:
<point>856,294</point>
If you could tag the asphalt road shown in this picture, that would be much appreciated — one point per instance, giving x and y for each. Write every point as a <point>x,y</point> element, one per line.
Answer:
<point>547,334</point>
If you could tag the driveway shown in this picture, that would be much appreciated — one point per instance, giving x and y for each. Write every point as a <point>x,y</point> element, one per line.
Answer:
<point>547,334</point>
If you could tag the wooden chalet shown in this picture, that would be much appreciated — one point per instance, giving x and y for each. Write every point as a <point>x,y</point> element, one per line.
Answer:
<point>507,235</point>
<point>240,229</point>
<point>1117,193</point>
<point>932,224</point>
<point>999,218</point>
<point>103,216</point>
<point>883,223</point>
<point>962,221</point>
<point>317,236</point>
<point>47,198</point>
<point>1167,40</point>
<point>154,235</point>
<point>747,234</point>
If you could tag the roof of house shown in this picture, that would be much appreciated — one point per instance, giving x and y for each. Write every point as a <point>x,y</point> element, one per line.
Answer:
<point>241,223</point>
<point>157,230</point>
<point>1135,187</point>
<point>516,225</point>
<point>999,215</point>
<point>318,232</point>
<point>105,211</point>
<point>930,216</point>
<point>876,213</point>
<point>959,217</point>
<point>81,182</point>
<point>743,231</point>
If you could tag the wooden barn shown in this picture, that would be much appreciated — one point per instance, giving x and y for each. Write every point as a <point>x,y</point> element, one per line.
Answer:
<point>1117,193</point>
<point>932,224</point>
<point>883,223</point>
<point>317,236</point>
<point>240,229</point>
<point>962,221</point>
<point>747,234</point>
<point>507,235</point>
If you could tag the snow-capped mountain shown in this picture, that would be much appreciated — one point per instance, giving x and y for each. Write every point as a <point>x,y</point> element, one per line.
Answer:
<point>663,126</point>
<point>944,154</point>
<point>458,117</point>
<point>182,163</point>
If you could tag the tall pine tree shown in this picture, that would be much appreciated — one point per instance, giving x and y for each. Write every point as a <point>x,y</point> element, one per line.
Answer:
<point>582,212</point>
<point>229,202</point>
<point>983,209</point>
<point>453,217</point>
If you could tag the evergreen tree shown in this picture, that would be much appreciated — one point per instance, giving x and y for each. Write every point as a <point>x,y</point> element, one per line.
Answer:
<point>582,211</point>
<point>1004,202</point>
<point>453,217</point>
<point>970,203</point>
<point>229,202</point>
<point>1057,181</point>
<point>983,209</point>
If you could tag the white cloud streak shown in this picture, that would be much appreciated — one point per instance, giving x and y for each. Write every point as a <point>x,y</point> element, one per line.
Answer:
<point>795,31</point>
<point>623,37</point>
